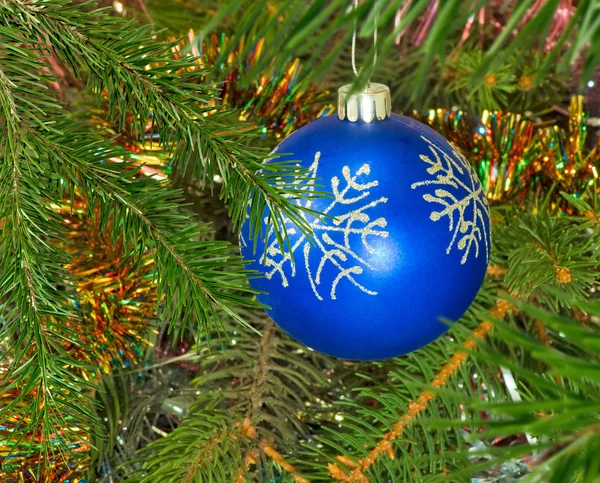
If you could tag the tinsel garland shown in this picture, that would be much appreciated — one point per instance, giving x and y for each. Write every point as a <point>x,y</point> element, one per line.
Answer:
<point>519,159</point>
<point>276,100</point>
<point>117,300</point>
<point>22,460</point>
<point>116,296</point>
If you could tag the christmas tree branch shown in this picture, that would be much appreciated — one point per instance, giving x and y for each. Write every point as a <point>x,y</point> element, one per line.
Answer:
<point>207,445</point>
<point>166,91</point>
<point>149,209</point>
<point>557,395</point>
<point>38,318</point>
<point>414,407</point>
<point>47,156</point>
<point>40,371</point>
<point>256,396</point>
<point>260,384</point>
<point>188,268</point>
<point>549,254</point>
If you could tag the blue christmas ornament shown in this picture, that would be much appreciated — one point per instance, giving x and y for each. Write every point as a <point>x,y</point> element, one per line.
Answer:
<point>407,248</point>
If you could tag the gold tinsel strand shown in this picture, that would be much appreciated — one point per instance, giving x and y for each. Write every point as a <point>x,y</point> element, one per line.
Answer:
<point>247,429</point>
<point>278,458</point>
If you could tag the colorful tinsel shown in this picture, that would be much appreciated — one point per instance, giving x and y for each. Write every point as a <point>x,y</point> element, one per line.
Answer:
<point>275,100</point>
<point>517,157</point>
<point>117,299</point>
<point>23,462</point>
<point>116,296</point>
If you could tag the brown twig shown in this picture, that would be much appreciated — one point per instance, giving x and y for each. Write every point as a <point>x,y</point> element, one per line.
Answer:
<point>142,6</point>
<point>281,461</point>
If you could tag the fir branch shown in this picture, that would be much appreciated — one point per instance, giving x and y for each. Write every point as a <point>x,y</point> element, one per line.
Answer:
<point>256,396</point>
<point>161,89</point>
<point>549,252</point>
<point>260,384</point>
<point>415,407</point>
<point>558,398</point>
<point>366,414</point>
<point>188,268</point>
<point>50,396</point>
<point>45,153</point>
<point>49,390</point>
<point>201,449</point>
<point>207,274</point>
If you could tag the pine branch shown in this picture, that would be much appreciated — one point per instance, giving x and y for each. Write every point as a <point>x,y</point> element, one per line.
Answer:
<point>415,408</point>
<point>50,397</point>
<point>198,279</point>
<point>384,447</point>
<point>549,252</point>
<point>560,403</point>
<point>260,384</point>
<point>189,269</point>
<point>203,448</point>
<point>161,89</point>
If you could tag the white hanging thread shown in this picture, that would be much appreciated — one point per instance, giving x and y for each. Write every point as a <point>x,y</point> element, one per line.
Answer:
<point>375,17</point>
<point>354,7</point>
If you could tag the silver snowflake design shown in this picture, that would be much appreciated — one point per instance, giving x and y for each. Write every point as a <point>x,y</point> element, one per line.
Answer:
<point>335,238</point>
<point>467,234</point>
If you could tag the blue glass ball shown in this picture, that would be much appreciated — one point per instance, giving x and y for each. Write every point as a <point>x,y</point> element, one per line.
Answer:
<point>405,253</point>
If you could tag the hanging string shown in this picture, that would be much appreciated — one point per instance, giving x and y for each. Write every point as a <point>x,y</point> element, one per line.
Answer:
<point>354,7</point>
<point>375,18</point>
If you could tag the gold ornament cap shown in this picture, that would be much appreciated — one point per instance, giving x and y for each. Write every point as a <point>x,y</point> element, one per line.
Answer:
<point>373,103</point>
